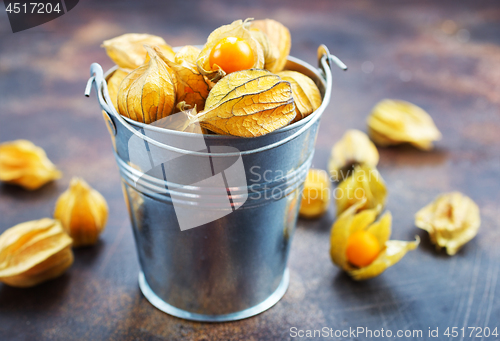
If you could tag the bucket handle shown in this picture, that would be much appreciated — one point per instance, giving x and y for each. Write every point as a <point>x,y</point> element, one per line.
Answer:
<point>97,78</point>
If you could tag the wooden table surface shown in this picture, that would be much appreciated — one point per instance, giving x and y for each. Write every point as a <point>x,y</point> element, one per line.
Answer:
<point>444,57</point>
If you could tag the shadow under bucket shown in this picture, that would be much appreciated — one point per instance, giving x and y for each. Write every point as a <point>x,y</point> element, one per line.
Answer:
<point>213,216</point>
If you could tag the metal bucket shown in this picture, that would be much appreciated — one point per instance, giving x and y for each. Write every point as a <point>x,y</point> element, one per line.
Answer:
<point>235,265</point>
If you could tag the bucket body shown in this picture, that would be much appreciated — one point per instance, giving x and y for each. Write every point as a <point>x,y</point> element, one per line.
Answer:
<point>234,265</point>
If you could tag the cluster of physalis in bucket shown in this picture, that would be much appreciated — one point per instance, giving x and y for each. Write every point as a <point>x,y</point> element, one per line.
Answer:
<point>234,85</point>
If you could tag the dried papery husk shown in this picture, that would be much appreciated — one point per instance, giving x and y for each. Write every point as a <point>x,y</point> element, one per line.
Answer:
<point>83,212</point>
<point>239,29</point>
<point>354,148</point>
<point>114,84</point>
<point>187,115</point>
<point>181,121</point>
<point>316,194</point>
<point>271,51</point>
<point>183,106</point>
<point>394,122</point>
<point>167,52</point>
<point>365,184</point>
<point>128,51</point>
<point>148,93</point>
<point>34,252</point>
<point>24,164</point>
<point>279,36</point>
<point>452,220</point>
<point>305,93</point>
<point>248,103</point>
<point>350,222</point>
<point>191,87</point>
<point>187,54</point>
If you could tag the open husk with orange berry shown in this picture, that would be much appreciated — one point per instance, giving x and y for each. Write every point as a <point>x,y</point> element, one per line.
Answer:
<point>361,246</point>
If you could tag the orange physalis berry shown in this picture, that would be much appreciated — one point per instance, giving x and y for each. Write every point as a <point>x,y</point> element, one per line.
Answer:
<point>232,54</point>
<point>362,248</point>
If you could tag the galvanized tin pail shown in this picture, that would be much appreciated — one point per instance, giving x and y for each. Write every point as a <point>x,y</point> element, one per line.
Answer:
<point>233,266</point>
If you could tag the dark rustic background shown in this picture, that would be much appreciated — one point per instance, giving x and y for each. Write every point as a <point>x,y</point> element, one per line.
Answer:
<point>442,56</point>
